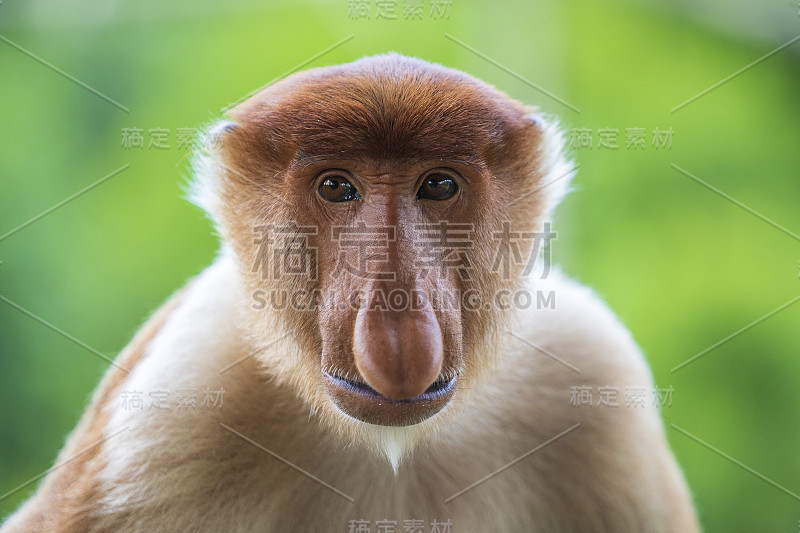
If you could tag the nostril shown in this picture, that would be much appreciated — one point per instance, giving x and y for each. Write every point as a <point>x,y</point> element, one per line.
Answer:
<point>438,386</point>
<point>357,385</point>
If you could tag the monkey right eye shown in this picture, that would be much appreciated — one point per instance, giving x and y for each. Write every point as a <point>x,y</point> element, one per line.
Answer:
<point>337,188</point>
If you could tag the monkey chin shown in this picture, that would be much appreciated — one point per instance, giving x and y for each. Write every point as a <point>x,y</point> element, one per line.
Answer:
<point>360,401</point>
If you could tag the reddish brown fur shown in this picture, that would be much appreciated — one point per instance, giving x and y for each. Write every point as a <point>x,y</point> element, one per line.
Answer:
<point>385,110</point>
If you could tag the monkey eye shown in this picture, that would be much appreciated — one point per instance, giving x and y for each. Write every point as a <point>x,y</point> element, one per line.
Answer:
<point>337,188</point>
<point>437,186</point>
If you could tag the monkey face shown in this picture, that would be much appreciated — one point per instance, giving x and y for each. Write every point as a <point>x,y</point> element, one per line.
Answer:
<point>354,198</point>
<point>394,355</point>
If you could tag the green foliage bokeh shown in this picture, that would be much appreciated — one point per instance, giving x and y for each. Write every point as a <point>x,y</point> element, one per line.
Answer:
<point>683,266</point>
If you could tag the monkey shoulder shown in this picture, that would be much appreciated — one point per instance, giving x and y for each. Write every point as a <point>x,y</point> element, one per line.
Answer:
<point>576,335</point>
<point>572,390</point>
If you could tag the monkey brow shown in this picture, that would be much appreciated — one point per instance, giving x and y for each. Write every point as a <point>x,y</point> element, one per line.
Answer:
<point>304,159</point>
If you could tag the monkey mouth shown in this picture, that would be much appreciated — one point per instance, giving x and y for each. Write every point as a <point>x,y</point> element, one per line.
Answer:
<point>360,401</point>
<point>438,388</point>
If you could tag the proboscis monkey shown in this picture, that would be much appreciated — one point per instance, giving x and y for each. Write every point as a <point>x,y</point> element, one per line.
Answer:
<point>379,345</point>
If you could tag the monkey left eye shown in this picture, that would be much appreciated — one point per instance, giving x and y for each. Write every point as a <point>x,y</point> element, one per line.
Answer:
<point>337,188</point>
<point>437,186</point>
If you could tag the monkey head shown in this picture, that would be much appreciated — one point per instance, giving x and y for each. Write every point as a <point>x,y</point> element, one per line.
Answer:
<point>360,203</point>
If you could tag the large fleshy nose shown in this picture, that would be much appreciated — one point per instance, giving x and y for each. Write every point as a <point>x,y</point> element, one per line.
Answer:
<point>398,353</point>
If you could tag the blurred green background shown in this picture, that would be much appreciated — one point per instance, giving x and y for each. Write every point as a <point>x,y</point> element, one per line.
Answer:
<point>682,266</point>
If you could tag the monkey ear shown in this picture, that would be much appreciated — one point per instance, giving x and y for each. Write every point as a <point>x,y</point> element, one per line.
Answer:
<point>204,188</point>
<point>214,137</point>
<point>556,170</point>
